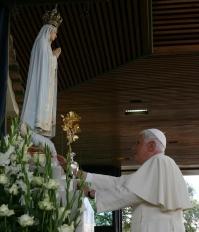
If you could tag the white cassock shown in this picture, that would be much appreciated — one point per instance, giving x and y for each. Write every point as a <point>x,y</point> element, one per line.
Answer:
<point>157,191</point>
<point>40,102</point>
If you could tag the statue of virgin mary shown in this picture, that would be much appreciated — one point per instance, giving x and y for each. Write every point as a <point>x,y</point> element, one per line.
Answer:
<point>39,107</point>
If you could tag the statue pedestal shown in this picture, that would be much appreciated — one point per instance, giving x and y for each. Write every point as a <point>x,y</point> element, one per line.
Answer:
<point>87,219</point>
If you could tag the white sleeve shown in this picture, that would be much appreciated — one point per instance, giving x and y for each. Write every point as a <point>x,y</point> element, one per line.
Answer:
<point>99,181</point>
<point>111,193</point>
<point>114,199</point>
<point>89,177</point>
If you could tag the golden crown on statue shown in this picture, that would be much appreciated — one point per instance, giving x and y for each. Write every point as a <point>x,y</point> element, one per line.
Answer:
<point>52,17</point>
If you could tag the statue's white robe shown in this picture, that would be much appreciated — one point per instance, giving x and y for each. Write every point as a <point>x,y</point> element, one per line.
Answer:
<point>157,190</point>
<point>40,102</point>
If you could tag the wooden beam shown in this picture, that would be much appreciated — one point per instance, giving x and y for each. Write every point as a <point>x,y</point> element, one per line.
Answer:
<point>11,3</point>
<point>171,50</point>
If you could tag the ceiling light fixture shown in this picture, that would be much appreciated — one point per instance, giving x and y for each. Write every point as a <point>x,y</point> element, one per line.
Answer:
<point>136,111</point>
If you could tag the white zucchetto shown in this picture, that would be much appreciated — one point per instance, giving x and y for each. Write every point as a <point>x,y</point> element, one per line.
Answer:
<point>159,135</point>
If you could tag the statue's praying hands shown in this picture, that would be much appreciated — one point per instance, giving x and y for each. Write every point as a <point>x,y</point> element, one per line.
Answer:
<point>57,52</point>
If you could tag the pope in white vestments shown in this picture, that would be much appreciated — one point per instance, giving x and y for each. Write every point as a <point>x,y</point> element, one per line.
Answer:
<point>157,190</point>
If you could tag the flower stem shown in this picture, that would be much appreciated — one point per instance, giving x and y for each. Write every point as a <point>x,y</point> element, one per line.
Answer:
<point>44,214</point>
<point>5,221</point>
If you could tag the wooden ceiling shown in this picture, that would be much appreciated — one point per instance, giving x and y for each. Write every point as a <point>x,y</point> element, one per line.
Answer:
<point>95,37</point>
<point>111,62</point>
<point>175,25</point>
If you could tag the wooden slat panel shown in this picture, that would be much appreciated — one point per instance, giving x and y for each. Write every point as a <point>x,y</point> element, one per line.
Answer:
<point>166,85</point>
<point>175,23</point>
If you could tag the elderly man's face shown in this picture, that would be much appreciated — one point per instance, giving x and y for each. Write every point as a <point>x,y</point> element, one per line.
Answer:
<point>141,150</point>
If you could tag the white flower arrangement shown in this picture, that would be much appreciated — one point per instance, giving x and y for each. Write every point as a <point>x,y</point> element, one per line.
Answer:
<point>66,228</point>
<point>3,179</point>
<point>29,195</point>
<point>25,220</point>
<point>5,212</point>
